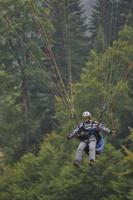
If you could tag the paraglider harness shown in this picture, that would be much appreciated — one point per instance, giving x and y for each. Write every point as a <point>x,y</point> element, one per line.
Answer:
<point>85,134</point>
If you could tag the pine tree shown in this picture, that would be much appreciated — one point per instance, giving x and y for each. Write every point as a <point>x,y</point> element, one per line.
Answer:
<point>26,102</point>
<point>111,16</point>
<point>70,40</point>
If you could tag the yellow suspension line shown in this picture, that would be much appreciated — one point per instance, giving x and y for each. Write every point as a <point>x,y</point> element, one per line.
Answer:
<point>107,70</point>
<point>68,34</point>
<point>111,63</point>
<point>43,34</point>
<point>119,86</point>
<point>35,59</point>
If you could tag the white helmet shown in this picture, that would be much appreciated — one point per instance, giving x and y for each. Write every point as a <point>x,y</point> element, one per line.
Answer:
<point>86,114</point>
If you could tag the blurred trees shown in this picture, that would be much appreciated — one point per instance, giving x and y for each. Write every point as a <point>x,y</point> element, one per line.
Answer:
<point>107,19</point>
<point>24,92</point>
<point>29,114</point>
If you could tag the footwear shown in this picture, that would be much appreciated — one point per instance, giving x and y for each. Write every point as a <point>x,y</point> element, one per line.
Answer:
<point>76,163</point>
<point>91,163</point>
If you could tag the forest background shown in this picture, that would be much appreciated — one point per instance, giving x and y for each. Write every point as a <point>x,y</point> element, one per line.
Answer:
<point>56,61</point>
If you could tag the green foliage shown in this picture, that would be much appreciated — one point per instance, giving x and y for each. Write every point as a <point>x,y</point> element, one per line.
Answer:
<point>51,175</point>
<point>26,102</point>
<point>28,109</point>
<point>107,19</point>
<point>107,79</point>
<point>70,40</point>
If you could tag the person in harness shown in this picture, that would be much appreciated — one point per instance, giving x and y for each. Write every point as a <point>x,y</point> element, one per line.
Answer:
<point>90,134</point>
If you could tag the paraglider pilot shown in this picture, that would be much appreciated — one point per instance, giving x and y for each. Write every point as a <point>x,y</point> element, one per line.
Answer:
<point>90,134</point>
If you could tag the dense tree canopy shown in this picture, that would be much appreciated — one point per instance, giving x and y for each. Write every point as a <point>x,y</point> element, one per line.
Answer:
<point>40,43</point>
<point>107,19</point>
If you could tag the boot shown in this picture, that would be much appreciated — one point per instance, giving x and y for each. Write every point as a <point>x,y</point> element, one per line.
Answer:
<point>91,163</point>
<point>76,163</point>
